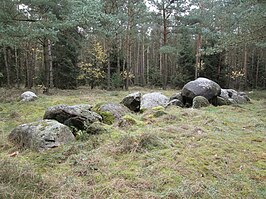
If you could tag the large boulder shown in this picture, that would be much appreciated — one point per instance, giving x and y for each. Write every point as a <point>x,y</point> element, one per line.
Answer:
<point>234,97</point>
<point>200,87</point>
<point>77,116</point>
<point>200,101</point>
<point>151,100</point>
<point>41,135</point>
<point>132,101</point>
<point>28,96</point>
<point>111,112</point>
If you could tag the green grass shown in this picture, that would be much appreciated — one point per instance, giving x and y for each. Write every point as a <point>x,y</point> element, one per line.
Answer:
<point>214,152</point>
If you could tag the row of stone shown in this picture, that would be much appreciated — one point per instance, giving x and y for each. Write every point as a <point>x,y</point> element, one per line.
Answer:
<point>61,123</point>
<point>195,94</point>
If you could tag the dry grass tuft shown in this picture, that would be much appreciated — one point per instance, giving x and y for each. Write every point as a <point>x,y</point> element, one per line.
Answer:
<point>140,143</point>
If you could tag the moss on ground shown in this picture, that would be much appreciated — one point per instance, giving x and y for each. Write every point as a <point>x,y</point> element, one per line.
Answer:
<point>213,152</point>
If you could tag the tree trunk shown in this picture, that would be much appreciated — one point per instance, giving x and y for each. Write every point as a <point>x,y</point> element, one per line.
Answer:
<point>262,52</point>
<point>108,71</point>
<point>21,63</point>
<point>34,63</point>
<point>7,67</point>
<point>154,56</point>
<point>219,67</point>
<point>245,67</point>
<point>198,54</point>
<point>50,60</point>
<point>165,69</point>
<point>45,62</point>
<point>127,67</point>
<point>148,66</point>
<point>27,82</point>
<point>130,64</point>
<point>160,62</point>
<point>128,46</point>
<point>252,67</point>
<point>164,79</point>
<point>137,66</point>
<point>48,63</point>
<point>118,57</point>
<point>143,61</point>
<point>235,64</point>
<point>17,68</point>
<point>123,72</point>
<point>257,72</point>
<point>30,66</point>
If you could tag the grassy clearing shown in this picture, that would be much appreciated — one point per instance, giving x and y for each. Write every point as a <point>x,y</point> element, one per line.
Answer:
<point>214,152</point>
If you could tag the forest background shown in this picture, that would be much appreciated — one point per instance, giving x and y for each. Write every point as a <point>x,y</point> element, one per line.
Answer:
<point>118,43</point>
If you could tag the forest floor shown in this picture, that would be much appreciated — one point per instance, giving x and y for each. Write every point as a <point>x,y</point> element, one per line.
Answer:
<point>213,152</point>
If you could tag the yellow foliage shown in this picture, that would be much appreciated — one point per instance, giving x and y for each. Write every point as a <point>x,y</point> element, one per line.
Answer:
<point>99,53</point>
<point>91,68</point>
<point>235,74</point>
<point>88,71</point>
<point>130,75</point>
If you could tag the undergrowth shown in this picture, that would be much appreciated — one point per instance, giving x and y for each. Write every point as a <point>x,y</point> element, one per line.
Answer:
<point>213,152</point>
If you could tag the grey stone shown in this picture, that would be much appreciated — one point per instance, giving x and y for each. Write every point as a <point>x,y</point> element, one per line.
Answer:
<point>78,116</point>
<point>97,128</point>
<point>200,101</point>
<point>116,110</point>
<point>175,102</point>
<point>234,97</point>
<point>177,96</point>
<point>151,100</point>
<point>41,135</point>
<point>222,101</point>
<point>132,101</point>
<point>28,96</point>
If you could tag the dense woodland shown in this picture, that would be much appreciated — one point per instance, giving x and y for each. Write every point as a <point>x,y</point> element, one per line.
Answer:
<point>115,44</point>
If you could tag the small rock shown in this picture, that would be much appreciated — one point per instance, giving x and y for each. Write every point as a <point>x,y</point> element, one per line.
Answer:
<point>175,102</point>
<point>199,102</point>
<point>97,128</point>
<point>222,101</point>
<point>28,96</point>
<point>126,121</point>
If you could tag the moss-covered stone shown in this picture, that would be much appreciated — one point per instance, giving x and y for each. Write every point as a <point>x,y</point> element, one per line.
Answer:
<point>142,110</point>
<point>111,112</point>
<point>199,102</point>
<point>97,107</point>
<point>159,114</point>
<point>158,108</point>
<point>126,121</point>
<point>130,119</point>
<point>97,128</point>
<point>108,117</point>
